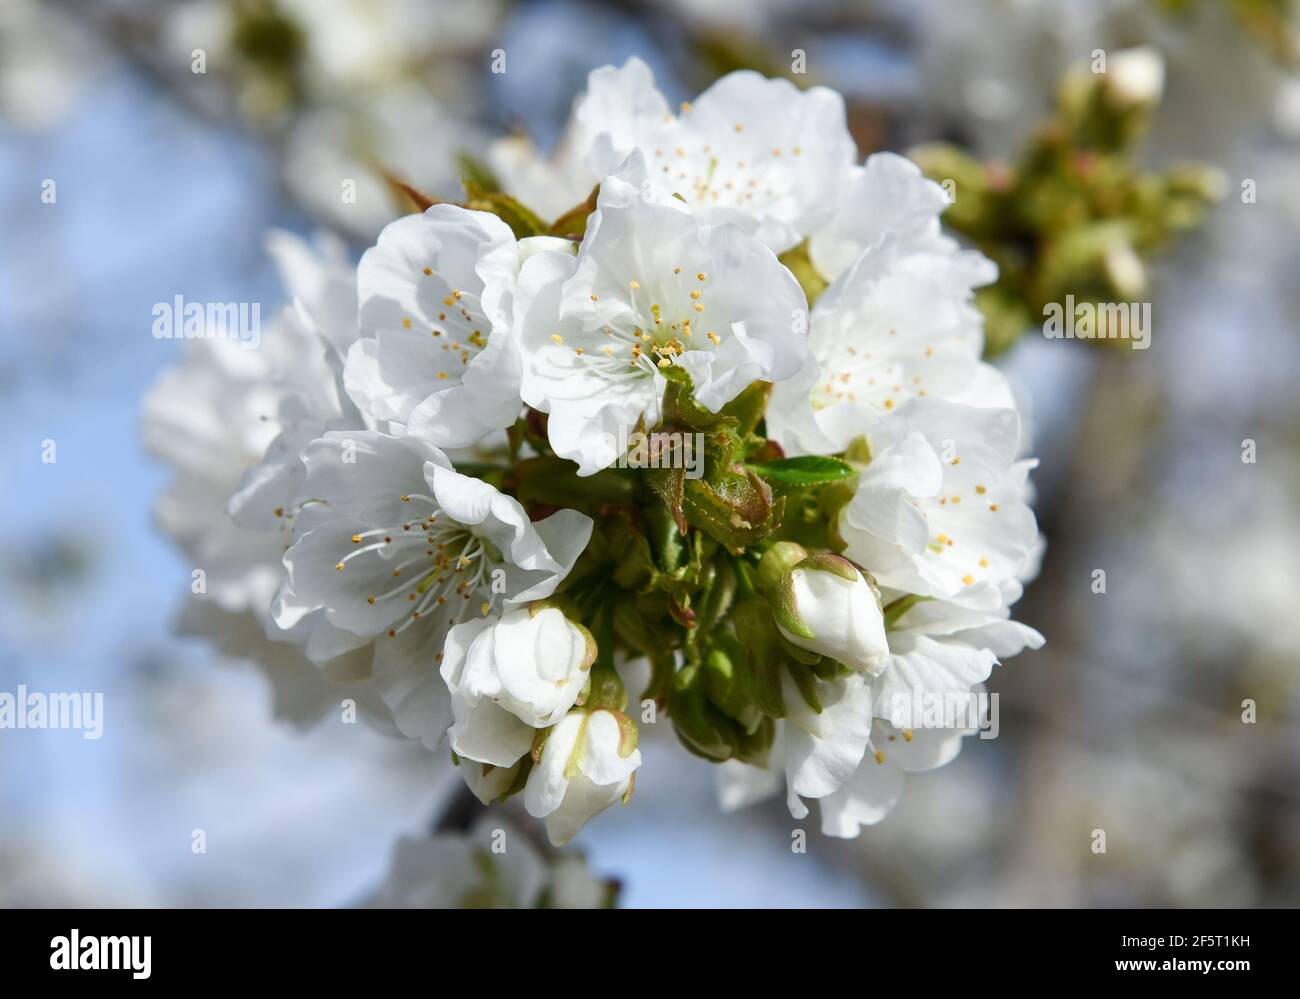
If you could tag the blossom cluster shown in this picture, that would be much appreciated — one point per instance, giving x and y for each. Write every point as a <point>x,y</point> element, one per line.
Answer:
<point>430,495</point>
<point>492,865</point>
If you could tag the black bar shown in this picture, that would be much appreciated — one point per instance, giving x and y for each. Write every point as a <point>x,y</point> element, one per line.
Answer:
<point>972,949</point>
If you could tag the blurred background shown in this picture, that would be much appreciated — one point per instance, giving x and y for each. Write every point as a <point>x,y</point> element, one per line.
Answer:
<point>1129,720</point>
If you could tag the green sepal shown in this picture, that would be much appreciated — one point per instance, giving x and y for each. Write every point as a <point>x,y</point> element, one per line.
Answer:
<point>747,408</point>
<point>701,727</point>
<point>786,609</point>
<point>805,681</point>
<point>718,586</point>
<point>799,262</point>
<point>738,511</point>
<point>752,621</point>
<point>828,669</point>
<point>778,560</point>
<point>837,565</point>
<point>755,746</point>
<point>521,777</point>
<point>727,683</point>
<point>663,665</point>
<point>901,606</point>
<point>680,407</point>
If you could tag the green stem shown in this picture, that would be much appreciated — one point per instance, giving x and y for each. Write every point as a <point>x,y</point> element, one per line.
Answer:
<point>744,578</point>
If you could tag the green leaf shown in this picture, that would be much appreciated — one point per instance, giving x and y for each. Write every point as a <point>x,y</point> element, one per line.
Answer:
<point>523,221</point>
<point>476,176</point>
<point>806,470</point>
<point>574,222</point>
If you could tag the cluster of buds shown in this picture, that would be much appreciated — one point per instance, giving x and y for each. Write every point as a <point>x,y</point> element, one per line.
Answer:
<point>1075,215</point>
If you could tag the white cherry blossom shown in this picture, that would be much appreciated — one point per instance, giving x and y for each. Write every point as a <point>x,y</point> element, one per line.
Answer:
<point>492,866</point>
<point>898,324</point>
<point>393,544</point>
<point>938,649</point>
<point>851,756</point>
<point>755,151</point>
<point>875,787</point>
<point>230,421</point>
<point>940,510</point>
<point>436,353</point>
<point>885,196</point>
<point>651,288</point>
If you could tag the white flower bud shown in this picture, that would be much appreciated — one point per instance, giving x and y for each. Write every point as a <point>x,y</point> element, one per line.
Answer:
<point>586,765</point>
<point>826,606</point>
<point>1137,75</point>
<point>511,676</point>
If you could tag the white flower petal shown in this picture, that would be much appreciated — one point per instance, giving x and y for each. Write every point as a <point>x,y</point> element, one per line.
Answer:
<point>435,298</point>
